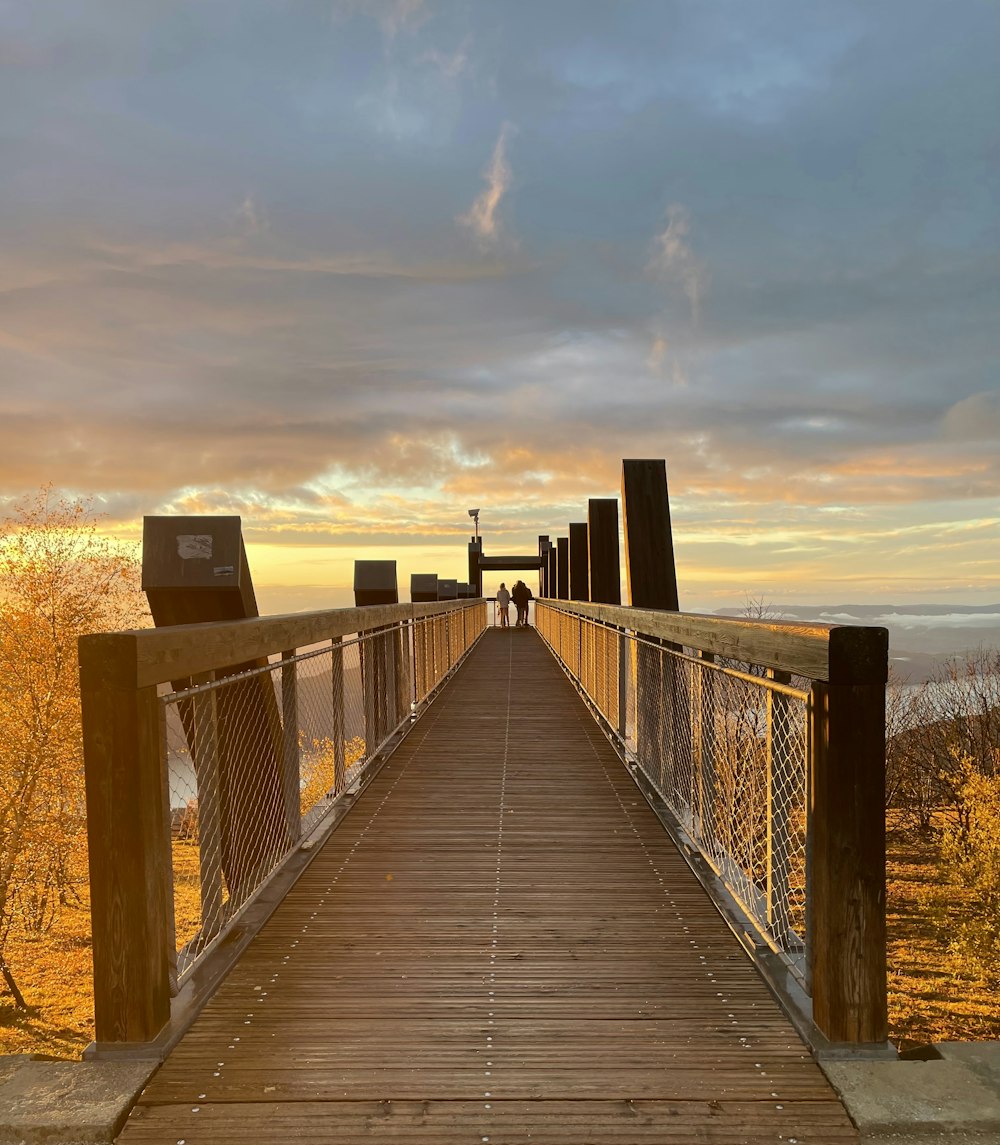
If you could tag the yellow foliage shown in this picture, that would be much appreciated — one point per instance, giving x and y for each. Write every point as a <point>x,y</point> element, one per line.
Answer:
<point>59,580</point>
<point>970,853</point>
<point>318,768</point>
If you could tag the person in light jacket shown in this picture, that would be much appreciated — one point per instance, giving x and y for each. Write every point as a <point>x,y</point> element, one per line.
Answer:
<point>503,604</point>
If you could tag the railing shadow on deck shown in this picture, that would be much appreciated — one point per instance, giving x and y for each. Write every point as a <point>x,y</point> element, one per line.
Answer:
<point>208,784</point>
<point>764,744</point>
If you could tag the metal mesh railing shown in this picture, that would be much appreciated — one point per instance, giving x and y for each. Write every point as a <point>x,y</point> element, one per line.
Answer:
<point>725,747</point>
<point>257,757</point>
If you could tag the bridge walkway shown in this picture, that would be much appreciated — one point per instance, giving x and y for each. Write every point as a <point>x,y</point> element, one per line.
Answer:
<point>498,944</point>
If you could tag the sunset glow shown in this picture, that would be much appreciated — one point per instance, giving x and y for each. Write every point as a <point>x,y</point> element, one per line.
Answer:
<point>347,269</point>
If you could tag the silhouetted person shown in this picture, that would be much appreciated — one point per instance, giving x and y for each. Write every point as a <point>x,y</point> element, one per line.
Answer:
<point>521,594</point>
<point>503,604</point>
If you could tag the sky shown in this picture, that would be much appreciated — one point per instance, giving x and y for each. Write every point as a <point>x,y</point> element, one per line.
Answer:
<point>349,268</point>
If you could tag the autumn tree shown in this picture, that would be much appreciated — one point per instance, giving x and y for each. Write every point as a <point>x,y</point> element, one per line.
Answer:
<point>935,732</point>
<point>962,727</point>
<point>970,853</point>
<point>59,579</point>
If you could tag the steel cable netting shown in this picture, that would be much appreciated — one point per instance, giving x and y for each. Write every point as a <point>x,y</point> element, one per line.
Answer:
<point>723,744</point>
<point>256,758</point>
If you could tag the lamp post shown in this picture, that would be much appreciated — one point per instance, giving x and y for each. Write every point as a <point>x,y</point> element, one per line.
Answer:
<point>475,552</point>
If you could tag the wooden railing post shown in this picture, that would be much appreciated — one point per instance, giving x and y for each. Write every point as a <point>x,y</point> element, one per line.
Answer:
<point>420,648</point>
<point>337,730</point>
<point>390,685</point>
<point>204,744</point>
<point>847,943</point>
<point>404,685</point>
<point>291,764</point>
<point>695,714</point>
<point>706,752</point>
<point>128,816</point>
<point>780,795</point>
<point>369,688</point>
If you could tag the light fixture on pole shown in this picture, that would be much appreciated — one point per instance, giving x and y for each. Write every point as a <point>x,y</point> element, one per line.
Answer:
<point>474,514</point>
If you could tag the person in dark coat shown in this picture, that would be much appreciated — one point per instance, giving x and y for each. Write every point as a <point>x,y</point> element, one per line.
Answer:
<point>520,594</point>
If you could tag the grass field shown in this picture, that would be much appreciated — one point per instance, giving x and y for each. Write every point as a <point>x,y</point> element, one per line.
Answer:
<point>927,1002</point>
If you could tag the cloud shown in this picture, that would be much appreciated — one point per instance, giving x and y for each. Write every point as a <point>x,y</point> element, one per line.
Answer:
<point>481,218</point>
<point>233,267</point>
<point>657,353</point>
<point>452,65</point>
<point>396,16</point>
<point>251,219</point>
<point>975,418</point>
<point>392,16</point>
<point>674,261</point>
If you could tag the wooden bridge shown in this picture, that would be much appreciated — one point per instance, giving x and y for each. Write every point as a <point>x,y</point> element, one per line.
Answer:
<point>390,873</point>
<point>499,943</point>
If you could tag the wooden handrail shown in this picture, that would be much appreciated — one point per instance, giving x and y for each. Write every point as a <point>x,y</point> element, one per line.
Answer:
<point>830,653</point>
<point>158,655</point>
<point>128,813</point>
<point>847,666</point>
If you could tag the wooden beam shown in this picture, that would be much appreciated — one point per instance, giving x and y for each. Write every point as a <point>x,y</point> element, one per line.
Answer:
<point>847,940</point>
<point>562,567</point>
<point>164,654</point>
<point>423,586</point>
<point>579,581</point>
<point>475,565</point>
<point>291,762</point>
<point>604,573</point>
<point>517,563</point>
<point>543,564</point>
<point>128,831</point>
<point>836,653</point>
<point>649,547</point>
<point>195,569</point>
<point>375,583</point>
<point>337,725</point>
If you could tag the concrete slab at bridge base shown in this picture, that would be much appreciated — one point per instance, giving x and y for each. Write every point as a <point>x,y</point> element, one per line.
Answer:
<point>67,1102</point>
<point>955,1096</point>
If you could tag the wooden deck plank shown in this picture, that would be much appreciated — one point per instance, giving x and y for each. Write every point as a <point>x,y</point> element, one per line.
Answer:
<point>499,943</point>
